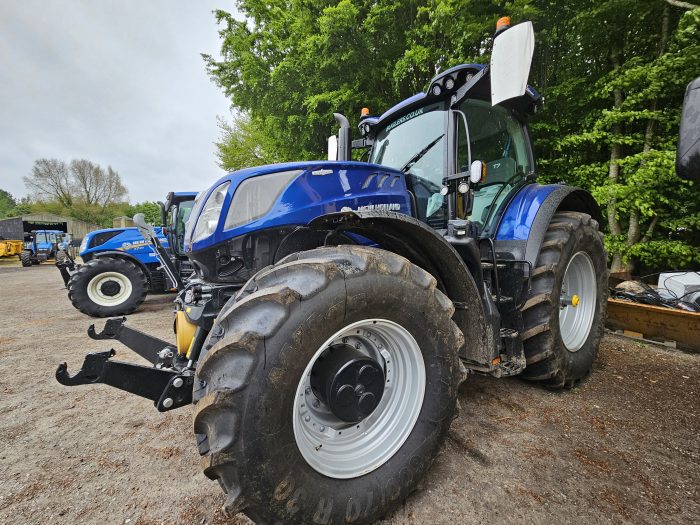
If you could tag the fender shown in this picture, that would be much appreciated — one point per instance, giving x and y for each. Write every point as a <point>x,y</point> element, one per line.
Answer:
<point>526,218</point>
<point>424,247</point>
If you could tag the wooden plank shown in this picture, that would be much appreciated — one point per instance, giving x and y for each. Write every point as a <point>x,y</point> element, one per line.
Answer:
<point>655,321</point>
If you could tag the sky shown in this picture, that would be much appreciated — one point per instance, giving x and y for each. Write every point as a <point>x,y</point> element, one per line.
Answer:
<point>118,82</point>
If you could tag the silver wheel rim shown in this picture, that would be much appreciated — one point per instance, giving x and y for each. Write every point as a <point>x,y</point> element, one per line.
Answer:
<point>575,322</point>
<point>342,450</point>
<point>94,289</point>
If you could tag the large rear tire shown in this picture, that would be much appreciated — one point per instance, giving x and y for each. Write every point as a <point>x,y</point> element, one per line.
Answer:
<point>561,339</point>
<point>107,287</point>
<point>276,450</point>
<point>26,258</point>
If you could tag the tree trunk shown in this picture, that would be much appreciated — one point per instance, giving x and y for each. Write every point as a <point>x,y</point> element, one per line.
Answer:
<point>614,167</point>
<point>634,234</point>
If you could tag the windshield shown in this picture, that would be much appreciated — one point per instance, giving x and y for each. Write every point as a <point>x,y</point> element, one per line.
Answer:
<point>183,210</point>
<point>41,237</point>
<point>416,143</point>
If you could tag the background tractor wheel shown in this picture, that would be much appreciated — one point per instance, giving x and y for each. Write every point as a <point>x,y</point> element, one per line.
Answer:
<point>107,287</point>
<point>565,313</point>
<point>26,258</point>
<point>327,386</point>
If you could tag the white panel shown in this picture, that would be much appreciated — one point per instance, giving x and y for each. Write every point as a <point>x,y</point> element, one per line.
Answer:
<point>510,62</point>
<point>332,147</point>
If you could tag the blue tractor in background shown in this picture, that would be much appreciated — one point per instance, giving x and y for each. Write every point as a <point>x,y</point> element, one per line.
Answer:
<point>336,306</point>
<point>121,267</point>
<point>40,246</point>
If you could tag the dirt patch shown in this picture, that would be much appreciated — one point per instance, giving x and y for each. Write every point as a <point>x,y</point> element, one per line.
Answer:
<point>621,448</point>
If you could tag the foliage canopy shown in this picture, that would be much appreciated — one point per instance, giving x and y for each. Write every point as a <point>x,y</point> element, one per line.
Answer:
<point>612,73</point>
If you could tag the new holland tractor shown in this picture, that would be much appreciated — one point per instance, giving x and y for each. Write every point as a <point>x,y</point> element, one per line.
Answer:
<point>336,306</point>
<point>41,246</point>
<point>121,267</point>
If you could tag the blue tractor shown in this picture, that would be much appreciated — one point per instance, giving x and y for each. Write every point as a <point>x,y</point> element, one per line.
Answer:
<point>336,306</point>
<point>121,267</point>
<point>40,246</point>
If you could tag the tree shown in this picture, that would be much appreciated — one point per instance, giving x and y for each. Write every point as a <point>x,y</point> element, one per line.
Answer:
<point>94,185</point>
<point>81,189</point>
<point>7,204</point>
<point>612,73</point>
<point>243,143</point>
<point>151,211</point>
<point>622,145</point>
<point>80,182</point>
<point>51,180</point>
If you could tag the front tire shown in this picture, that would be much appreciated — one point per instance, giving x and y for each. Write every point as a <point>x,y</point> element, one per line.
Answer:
<point>25,258</point>
<point>107,287</point>
<point>258,436</point>
<point>561,339</point>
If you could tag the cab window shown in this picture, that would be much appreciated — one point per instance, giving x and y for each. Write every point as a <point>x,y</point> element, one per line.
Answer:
<point>398,144</point>
<point>498,139</point>
<point>183,211</point>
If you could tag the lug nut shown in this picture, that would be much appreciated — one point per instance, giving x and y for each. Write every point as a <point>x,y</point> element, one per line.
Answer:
<point>316,403</point>
<point>307,418</point>
<point>167,402</point>
<point>322,428</point>
<point>178,382</point>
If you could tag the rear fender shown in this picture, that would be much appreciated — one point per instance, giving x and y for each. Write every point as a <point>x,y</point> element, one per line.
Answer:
<point>425,248</point>
<point>525,221</point>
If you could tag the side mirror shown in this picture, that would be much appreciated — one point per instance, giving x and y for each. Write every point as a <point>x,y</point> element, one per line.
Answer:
<point>510,62</point>
<point>332,147</point>
<point>140,221</point>
<point>688,153</point>
<point>477,171</point>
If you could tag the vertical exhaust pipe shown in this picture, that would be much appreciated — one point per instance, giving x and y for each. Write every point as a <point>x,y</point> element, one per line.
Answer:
<point>344,137</point>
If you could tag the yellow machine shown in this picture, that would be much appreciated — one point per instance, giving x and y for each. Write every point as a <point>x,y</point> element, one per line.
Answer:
<point>10,248</point>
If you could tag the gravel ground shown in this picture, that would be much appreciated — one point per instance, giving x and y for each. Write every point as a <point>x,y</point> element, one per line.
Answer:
<point>621,448</point>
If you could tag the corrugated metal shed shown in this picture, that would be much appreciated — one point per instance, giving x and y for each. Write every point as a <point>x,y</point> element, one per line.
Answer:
<point>16,227</point>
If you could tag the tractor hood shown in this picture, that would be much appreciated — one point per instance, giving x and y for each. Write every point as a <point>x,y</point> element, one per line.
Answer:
<point>289,194</point>
<point>127,240</point>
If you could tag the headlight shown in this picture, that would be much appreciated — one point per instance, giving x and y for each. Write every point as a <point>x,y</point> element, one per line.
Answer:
<point>209,218</point>
<point>256,196</point>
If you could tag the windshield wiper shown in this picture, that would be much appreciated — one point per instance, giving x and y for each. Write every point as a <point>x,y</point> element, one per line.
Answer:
<point>420,154</point>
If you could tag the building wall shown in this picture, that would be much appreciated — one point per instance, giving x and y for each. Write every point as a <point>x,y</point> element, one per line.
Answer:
<point>14,227</point>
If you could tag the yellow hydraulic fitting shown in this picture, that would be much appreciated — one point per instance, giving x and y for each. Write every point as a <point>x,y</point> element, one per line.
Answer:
<point>184,332</point>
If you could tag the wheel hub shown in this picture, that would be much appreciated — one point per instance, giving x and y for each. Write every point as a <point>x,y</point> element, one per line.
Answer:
<point>348,382</point>
<point>110,288</point>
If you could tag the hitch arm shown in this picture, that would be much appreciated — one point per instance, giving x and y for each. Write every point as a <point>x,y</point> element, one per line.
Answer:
<point>144,345</point>
<point>167,389</point>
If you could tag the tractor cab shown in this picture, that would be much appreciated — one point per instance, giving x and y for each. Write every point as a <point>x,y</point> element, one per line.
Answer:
<point>435,137</point>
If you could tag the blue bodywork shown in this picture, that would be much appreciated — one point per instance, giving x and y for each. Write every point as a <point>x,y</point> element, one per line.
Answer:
<point>50,238</point>
<point>126,240</point>
<point>519,216</point>
<point>323,187</point>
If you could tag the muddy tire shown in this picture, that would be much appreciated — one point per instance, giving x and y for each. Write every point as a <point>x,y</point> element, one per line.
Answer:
<point>250,415</point>
<point>25,258</point>
<point>561,339</point>
<point>107,287</point>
